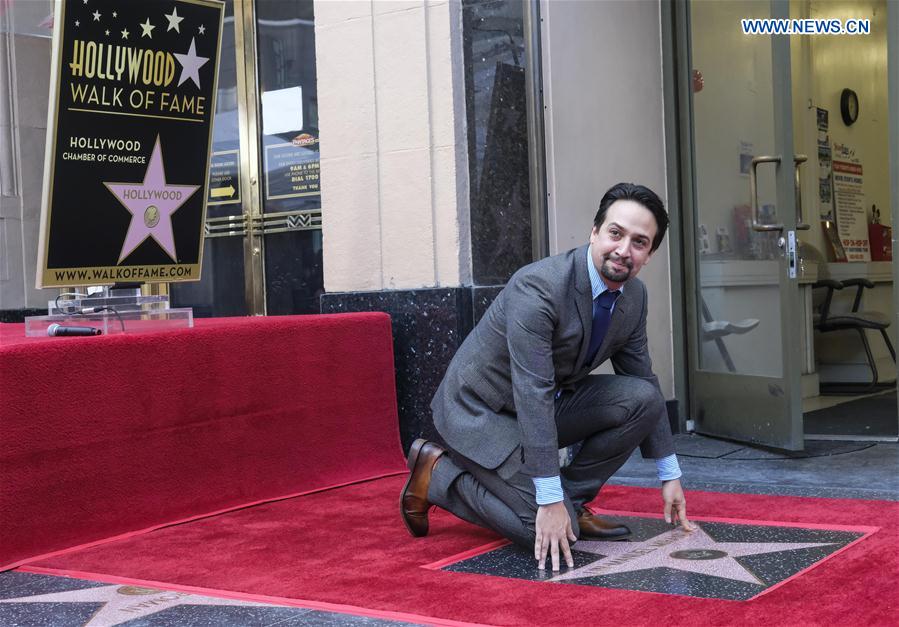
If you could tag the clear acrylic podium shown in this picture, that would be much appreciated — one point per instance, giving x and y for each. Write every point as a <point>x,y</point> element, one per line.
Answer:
<point>112,312</point>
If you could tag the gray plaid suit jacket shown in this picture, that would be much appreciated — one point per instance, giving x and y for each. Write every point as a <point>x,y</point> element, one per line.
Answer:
<point>496,403</point>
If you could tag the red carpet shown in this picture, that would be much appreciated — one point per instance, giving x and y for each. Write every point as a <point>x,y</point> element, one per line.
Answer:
<point>347,546</point>
<point>109,435</point>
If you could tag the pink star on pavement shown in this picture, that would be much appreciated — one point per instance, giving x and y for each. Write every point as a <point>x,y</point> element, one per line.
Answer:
<point>694,552</point>
<point>151,205</point>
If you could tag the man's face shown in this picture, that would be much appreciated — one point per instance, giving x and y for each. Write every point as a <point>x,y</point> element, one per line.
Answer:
<point>622,245</point>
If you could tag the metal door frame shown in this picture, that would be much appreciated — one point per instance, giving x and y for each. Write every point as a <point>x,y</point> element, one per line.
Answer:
<point>893,127</point>
<point>248,128</point>
<point>253,224</point>
<point>683,186</point>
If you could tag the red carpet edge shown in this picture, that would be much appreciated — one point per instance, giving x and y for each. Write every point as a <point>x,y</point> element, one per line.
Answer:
<point>234,508</point>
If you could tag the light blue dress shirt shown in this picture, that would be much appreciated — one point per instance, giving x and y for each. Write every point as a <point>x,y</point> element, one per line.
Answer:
<point>549,489</point>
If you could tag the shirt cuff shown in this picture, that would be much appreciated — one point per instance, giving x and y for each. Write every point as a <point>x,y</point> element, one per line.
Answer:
<point>668,468</point>
<point>549,490</point>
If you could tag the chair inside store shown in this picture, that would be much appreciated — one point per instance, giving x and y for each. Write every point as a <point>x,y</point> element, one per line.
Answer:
<point>716,330</point>
<point>858,320</point>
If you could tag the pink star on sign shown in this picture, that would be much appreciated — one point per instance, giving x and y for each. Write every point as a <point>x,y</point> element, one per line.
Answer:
<point>151,205</point>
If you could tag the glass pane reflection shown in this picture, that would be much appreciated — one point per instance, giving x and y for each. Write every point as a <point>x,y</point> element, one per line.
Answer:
<point>220,291</point>
<point>290,152</point>
<point>733,114</point>
<point>493,41</point>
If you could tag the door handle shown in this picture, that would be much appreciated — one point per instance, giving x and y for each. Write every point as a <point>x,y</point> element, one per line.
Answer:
<point>800,225</point>
<point>754,194</point>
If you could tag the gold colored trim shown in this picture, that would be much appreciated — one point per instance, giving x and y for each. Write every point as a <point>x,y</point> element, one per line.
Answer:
<point>297,212</point>
<point>297,195</point>
<point>248,125</point>
<point>107,275</point>
<point>138,115</point>
<point>215,93</point>
<point>270,231</point>
<point>284,221</point>
<point>154,289</point>
<point>226,226</point>
<point>59,16</point>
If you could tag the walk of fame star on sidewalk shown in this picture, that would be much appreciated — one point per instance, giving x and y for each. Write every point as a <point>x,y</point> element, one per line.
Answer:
<point>126,603</point>
<point>694,552</point>
<point>722,559</point>
<point>151,204</point>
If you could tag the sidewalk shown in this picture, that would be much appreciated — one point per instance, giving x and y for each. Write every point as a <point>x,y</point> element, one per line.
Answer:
<point>863,470</point>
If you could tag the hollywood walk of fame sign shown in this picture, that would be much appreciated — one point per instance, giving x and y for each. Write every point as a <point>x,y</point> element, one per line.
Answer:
<point>718,560</point>
<point>132,99</point>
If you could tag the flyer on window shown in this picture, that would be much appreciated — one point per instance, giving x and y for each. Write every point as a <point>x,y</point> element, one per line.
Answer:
<point>849,197</point>
<point>825,182</point>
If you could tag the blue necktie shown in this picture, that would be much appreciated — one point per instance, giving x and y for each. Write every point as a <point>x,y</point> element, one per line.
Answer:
<point>602,315</point>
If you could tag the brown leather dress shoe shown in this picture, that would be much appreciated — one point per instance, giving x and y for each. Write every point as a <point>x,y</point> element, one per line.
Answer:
<point>414,503</point>
<point>593,527</point>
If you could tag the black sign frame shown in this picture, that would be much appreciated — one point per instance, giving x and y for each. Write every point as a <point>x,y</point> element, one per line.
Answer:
<point>132,100</point>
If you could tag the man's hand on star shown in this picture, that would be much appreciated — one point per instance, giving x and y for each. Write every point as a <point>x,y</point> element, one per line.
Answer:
<point>675,504</point>
<point>553,527</point>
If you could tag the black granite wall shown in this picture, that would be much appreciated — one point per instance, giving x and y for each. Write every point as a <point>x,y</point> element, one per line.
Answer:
<point>428,327</point>
<point>496,111</point>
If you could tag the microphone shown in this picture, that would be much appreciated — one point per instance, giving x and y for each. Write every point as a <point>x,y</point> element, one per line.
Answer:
<point>56,330</point>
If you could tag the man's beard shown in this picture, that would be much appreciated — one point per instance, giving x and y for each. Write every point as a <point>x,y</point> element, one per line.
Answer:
<point>610,273</point>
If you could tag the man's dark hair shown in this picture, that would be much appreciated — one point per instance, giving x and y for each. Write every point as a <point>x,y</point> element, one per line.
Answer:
<point>640,194</point>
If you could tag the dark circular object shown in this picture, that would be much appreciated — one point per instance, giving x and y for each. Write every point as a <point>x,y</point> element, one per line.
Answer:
<point>849,106</point>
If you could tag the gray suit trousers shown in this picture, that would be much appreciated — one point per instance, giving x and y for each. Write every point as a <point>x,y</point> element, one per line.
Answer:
<point>608,414</point>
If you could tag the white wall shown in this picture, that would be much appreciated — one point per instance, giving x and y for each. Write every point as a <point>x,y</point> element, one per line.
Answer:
<point>858,63</point>
<point>604,124</point>
<point>393,148</point>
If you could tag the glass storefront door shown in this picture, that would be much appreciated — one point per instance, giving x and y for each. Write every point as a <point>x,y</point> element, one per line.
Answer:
<point>742,270</point>
<point>263,251</point>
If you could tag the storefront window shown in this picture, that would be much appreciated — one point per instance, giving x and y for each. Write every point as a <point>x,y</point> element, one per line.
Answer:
<point>291,195</point>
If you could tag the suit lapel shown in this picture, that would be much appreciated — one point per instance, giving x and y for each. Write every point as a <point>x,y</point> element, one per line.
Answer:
<point>584,301</point>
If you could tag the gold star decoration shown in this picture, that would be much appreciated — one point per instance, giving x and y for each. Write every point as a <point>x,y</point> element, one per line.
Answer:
<point>96,16</point>
<point>125,34</point>
<point>147,29</point>
<point>107,32</point>
<point>174,21</point>
<point>202,29</point>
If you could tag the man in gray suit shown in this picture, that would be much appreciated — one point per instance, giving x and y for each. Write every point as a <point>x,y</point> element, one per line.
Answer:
<point>519,388</point>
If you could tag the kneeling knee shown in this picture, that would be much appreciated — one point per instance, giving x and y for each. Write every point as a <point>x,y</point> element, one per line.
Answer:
<point>648,401</point>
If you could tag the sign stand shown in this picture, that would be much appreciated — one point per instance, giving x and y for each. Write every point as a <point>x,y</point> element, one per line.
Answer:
<point>112,314</point>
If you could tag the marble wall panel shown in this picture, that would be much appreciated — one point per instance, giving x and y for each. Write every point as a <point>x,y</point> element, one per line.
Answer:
<point>494,59</point>
<point>428,327</point>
